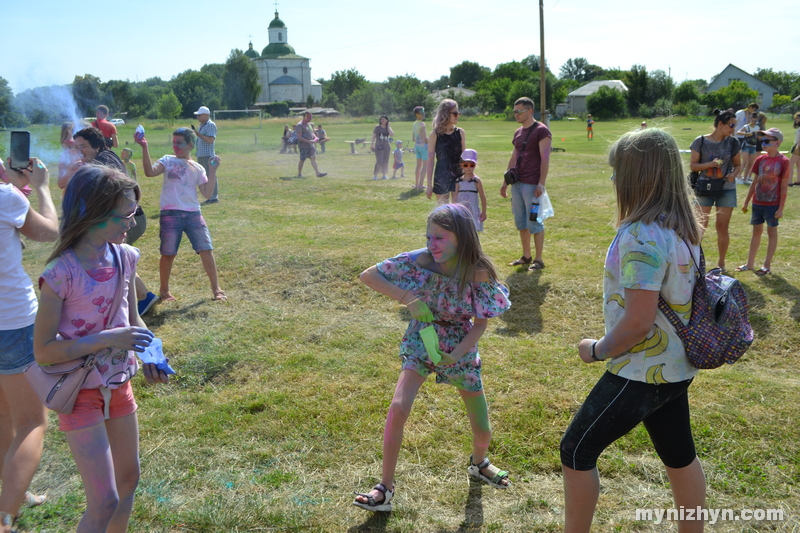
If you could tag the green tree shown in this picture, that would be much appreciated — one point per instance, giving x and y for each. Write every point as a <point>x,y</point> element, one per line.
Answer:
<point>87,93</point>
<point>240,81</point>
<point>606,103</point>
<point>215,69</point>
<point>469,73</point>
<point>580,69</point>
<point>343,83</point>
<point>513,71</point>
<point>736,95</point>
<point>686,92</point>
<point>8,117</point>
<point>787,83</point>
<point>782,103</point>
<point>362,101</point>
<point>532,63</point>
<point>169,107</point>
<point>636,81</point>
<point>659,86</point>
<point>195,89</point>
<point>117,94</point>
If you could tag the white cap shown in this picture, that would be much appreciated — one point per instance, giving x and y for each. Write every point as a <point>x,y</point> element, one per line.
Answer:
<point>202,111</point>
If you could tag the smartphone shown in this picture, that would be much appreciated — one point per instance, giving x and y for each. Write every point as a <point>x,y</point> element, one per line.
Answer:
<point>20,149</point>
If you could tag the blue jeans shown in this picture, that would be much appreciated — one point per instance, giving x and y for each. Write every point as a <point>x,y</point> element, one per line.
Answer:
<point>174,223</point>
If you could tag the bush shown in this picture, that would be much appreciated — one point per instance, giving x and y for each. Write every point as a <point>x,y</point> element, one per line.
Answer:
<point>278,109</point>
<point>645,111</point>
<point>606,103</point>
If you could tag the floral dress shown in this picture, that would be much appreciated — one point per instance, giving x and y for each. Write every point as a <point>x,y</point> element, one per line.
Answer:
<point>452,310</point>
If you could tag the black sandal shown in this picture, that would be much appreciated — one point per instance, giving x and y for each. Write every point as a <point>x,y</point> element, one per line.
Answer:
<point>521,261</point>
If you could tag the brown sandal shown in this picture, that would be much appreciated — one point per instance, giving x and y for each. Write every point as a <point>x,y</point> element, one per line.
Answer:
<point>521,261</point>
<point>536,265</point>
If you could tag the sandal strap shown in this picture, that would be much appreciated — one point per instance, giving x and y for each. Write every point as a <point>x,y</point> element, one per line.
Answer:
<point>500,476</point>
<point>380,487</point>
<point>483,464</point>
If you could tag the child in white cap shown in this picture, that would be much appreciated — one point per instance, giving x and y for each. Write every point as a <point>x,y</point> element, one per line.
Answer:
<point>469,188</point>
<point>398,160</point>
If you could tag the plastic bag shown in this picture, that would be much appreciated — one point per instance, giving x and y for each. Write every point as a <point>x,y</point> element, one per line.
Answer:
<point>545,208</point>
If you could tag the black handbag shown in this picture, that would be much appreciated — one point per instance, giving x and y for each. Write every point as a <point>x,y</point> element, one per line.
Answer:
<point>709,186</point>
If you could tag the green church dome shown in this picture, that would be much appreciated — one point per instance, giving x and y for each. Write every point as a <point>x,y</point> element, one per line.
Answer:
<point>252,54</point>
<point>274,50</point>
<point>277,23</point>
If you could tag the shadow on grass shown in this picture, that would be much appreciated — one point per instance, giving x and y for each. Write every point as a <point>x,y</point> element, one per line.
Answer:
<point>784,289</point>
<point>527,295</point>
<point>153,321</point>
<point>376,522</point>
<point>290,178</point>
<point>409,194</point>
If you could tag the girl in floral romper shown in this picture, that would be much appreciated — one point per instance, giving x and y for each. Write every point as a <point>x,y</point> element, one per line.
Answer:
<point>452,285</point>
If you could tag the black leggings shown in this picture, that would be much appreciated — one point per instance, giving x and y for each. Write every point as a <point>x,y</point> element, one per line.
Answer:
<point>615,406</point>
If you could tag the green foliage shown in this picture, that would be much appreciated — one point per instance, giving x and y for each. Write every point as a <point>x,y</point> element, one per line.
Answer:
<point>240,81</point>
<point>636,81</point>
<point>686,92</point>
<point>659,86</point>
<point>8,117</point>
<point>344,83</point>
<point>736,95</point>
<point>606,103</point>
<point>400,95</point>
<point>195,89</point>
<point>169,107</point>
<point>512,71</point>
<point>278,109</point>
<point>645,111</point>
<point>362,101</point>
<point>469,73</point>
<point>533,61</point>
<point>782,103</point>
<point>684,109</point>
<point>87,94</point>
<point>215,69</point>
<point>579,69</point>
<point>784,82</point>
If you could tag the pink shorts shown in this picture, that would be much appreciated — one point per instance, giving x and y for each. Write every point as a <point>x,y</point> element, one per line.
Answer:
<point>89,409</point>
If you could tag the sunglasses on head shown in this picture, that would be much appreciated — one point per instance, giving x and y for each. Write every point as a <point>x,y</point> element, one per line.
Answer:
<point>467,164</point>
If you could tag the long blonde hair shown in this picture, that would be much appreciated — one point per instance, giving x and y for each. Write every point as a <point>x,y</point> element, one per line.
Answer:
<point>442,117</point>
<point>650,182</point>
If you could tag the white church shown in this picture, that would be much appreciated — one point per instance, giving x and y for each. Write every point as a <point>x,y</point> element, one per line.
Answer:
<point>284,75</point>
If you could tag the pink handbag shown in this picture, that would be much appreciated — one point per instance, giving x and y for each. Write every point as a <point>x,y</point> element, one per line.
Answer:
<point>58,385</point>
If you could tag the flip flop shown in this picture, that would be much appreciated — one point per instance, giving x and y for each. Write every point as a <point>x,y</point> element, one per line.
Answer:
<point>521,261</point>
<point>762,271</point>
<point>743,268</point>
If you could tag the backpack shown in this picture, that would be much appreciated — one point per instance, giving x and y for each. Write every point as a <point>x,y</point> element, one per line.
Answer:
<point>719,330</point>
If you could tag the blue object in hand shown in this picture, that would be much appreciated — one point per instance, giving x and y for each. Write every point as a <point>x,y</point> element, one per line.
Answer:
<point>155,354</point>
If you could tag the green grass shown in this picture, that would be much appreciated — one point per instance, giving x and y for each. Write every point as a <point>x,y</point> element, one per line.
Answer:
<point>275,415</point>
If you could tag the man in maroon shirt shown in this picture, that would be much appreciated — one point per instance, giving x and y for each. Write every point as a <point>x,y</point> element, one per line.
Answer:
<point>531,157</point>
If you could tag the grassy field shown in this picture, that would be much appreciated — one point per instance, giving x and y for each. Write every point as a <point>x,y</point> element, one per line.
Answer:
<point>276,413</point>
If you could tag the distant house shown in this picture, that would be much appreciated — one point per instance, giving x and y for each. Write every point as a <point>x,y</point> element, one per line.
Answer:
<point>451,92</point>
<point>576,100</point>
<point>734,73</point>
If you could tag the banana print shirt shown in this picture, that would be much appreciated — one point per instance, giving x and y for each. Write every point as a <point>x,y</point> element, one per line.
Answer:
<point>649,257</point>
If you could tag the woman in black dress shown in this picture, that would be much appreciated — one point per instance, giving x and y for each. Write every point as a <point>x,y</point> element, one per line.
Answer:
<point>447,142</point>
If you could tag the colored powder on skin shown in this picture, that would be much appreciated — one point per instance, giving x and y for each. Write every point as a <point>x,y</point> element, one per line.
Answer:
<point>478,412</point>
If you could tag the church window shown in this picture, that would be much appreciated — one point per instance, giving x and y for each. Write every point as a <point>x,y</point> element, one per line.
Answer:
<point>280,36</point>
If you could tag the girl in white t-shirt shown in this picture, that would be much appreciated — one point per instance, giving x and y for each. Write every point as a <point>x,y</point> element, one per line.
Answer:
<point>647,373</point>
<point>749,133</point>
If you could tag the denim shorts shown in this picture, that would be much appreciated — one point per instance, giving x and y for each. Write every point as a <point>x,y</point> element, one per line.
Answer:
<point>421,151</point>
<point>748,148</point>
<point>727,198</point>
<point>617,405</point>
<point>521,199</point>
<point>307,151</point>
<point>175,222</point>
<point>16,350</point>
<point>764,213</point>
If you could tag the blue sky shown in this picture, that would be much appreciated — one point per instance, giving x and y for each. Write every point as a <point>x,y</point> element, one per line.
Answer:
<point>47,42</point>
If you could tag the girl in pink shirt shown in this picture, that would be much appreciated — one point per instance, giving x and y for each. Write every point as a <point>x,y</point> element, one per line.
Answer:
<point>78,315</point>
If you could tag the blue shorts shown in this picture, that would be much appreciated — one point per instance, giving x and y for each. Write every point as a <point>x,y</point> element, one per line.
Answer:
<point>727,198</point>
<point>521,200</point>
<point>764,213</point>
<point>748,148</point>
<point>16,350</point>
<point>421,151</point>
<point>174,223</point>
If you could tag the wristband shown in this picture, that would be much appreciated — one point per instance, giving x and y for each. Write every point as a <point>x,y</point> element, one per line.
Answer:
<point>403,296</point>
<point>594,355</point>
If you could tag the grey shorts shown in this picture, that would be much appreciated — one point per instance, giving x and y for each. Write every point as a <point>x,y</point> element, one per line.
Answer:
<point>521,199</point>
<point>727,198</point>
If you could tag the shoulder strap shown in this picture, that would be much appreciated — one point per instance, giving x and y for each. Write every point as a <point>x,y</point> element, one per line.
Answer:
<point>120,256</point>
<point>524,144</point>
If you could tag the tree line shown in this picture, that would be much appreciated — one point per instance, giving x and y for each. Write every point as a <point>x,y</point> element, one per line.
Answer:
<point>235,85</point>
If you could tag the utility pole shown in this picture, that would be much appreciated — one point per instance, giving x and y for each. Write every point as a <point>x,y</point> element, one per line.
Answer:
<point>542,70</point>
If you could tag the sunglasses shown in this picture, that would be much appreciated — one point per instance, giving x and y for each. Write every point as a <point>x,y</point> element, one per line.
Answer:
<point>126,217</point>
<point>731,124</point>
<point>467,164</point>
<point>768,141</point>
<point>456,113</point>
<point>519,111</point>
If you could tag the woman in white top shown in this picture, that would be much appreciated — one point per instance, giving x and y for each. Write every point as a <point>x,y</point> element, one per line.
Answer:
<point>23,418</point>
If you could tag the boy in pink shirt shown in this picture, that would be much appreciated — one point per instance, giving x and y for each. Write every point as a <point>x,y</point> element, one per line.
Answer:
<point>768,192</point>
